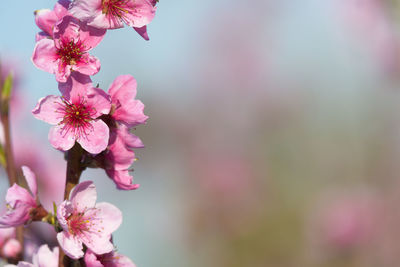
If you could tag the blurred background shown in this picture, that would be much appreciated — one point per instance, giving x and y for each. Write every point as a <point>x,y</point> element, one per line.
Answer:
<point>273,138</point>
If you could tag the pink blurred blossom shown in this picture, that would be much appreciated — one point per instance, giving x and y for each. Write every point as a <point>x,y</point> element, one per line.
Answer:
<point>44,257</point>
<point>11,248</point>
<point>20,201</point>
<point>369,22</point>
<point>344,221</point>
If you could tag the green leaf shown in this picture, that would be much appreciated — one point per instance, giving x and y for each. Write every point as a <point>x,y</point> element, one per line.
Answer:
<point>7,87</point>
<point>3,161</point>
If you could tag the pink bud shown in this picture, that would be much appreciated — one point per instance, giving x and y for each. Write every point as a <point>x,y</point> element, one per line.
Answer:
<point>12,248</point>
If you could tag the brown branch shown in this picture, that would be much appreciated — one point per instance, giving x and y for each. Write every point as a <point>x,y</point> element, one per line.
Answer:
<point>10,167</point>
<point>74,170</point>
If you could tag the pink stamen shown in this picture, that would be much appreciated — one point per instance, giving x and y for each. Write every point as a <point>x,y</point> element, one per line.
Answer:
<point>76,117</point>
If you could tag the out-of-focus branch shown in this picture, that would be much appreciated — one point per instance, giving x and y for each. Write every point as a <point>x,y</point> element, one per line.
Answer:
<point>8,159</point>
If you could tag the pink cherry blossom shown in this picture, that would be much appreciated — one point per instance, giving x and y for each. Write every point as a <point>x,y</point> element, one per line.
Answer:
<point>85,222</point>
<point>11,248</point>
<point>112,14</point>
<point>125,108</point>
<point>75,116</point>
<point>111,259</point>
<point>44,257</point>
<point>68,51</point>
<point>5,234</point>
<point>142,31</point>
<point>126,112</point>
<point>20,201</point>
<point>46,19</point>
<point>120,156</point>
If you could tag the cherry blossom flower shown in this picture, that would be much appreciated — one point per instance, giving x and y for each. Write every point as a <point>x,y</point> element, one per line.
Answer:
<point>126,112</point>
<point>125,108</point>
<point>85,222</point>
<point>11,248</point>
<point>46,19</point>
<point>112,14</point>
<point>20,201</point>
<point>5,234</point>
<point>111,259</point>
<point>120,156</point>
<point>142,31</point>
<point>75,115</point>
<point>43,258</point>
<point>68,51</point>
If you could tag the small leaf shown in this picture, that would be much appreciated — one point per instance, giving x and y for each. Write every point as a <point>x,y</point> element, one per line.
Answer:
<point>3,161</point>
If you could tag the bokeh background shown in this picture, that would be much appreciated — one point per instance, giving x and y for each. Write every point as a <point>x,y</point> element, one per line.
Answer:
<point>273,138</point>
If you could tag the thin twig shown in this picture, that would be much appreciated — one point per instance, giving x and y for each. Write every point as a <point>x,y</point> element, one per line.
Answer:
<point>74,171</point>
<point>10,168</point>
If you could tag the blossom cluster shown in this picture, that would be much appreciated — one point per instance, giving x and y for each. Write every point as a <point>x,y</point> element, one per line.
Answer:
<point>99,123</point>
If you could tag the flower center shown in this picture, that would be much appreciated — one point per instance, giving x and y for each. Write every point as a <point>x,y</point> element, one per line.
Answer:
<point>77,224</point>
<point>76,116</point>
<point>115,8</point>
<point>70,51</point>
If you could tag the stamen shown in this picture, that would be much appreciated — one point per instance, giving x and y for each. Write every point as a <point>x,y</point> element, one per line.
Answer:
<point>77,117</point>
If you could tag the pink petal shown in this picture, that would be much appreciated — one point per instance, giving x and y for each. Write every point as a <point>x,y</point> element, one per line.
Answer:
<point>30,179</point>
<point>61,8</point>
<point>96,138</point>
<point>99,100</point>
<point>88,65</point>
<point>24,264</point>
<point>46,109</point>
<point>91,259</point>
<point>41,35</point>
<point>122,179</point>
<point>45,19</point>
<point>130,140</point>
<point>87,10</point>
<point>11,248</point>
<point>142,31</point>
<point>45,257</point>
<point>75,87</point>
<point>110,215</point>
<point>71,245</point>
<point>60,138</point>
<point>73,29</point>
<point>129,110</point>
<point>18,216</point>
<point>83,196</point>
<point>45,56</point>
<point>143,13</point>
<point>131,113</point>
<point>63,72</point>
<point>123,261</point>
<point>118,154</point>
<point>6,233</point>
<point>64,210</point>
<point>99,244</point>
<point>124,86</point>
<point>16,194</point>
<point>104,22</point>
